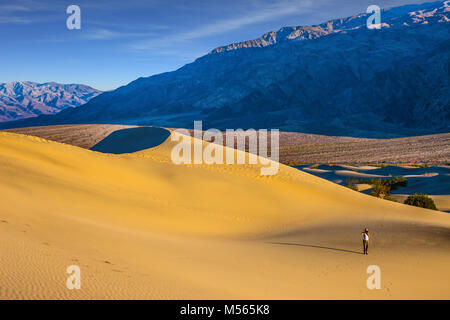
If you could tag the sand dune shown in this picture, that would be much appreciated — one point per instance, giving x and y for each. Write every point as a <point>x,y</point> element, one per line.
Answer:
<point>80,135</point>
<point>363,168</point>
<point>349,173</point>
<point>425,175</point>
<point>316,170</point>
<point>141,227</point>
<point>363,186</point>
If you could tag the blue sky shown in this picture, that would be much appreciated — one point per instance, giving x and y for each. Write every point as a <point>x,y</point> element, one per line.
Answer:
<point>122,40</point>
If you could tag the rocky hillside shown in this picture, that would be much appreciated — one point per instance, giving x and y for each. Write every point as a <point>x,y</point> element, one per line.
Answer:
<point>20,100</point>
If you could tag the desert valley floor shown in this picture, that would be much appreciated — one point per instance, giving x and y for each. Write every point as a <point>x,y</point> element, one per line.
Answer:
<point>142,227</point>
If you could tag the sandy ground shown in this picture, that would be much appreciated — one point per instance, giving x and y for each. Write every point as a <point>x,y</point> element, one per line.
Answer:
<point>363,186</point>
<point>140,226</point>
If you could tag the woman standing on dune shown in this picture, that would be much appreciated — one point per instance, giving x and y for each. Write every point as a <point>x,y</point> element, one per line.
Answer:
<point>365,239</point>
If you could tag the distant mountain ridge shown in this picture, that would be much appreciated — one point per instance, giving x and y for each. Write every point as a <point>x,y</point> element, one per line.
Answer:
<point>26,99</point>
<point>393,18</point>
<point>337,78</point>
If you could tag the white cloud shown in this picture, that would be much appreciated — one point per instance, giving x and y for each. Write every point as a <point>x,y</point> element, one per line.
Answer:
<point>262,12</point>
<point>25,11</point>
<point>106,34</point>
<point>6,8</point>
<point>12,19</point>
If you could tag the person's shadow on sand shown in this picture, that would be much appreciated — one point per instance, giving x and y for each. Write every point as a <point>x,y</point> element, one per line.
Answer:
<point>313,246</point>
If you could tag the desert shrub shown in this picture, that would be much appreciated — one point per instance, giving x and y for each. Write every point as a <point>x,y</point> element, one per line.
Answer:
<point>388,197</point>
<point>390,183</point>
<point>398,182</point>
<point>420,200</point>
<point>380,189</point>
<point>420,165</point>
<point>351,183</point>
<point>368,181</point>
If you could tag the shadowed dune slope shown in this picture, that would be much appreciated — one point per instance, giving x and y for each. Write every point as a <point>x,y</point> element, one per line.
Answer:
<point>140,226</point>
<point>132,140</point>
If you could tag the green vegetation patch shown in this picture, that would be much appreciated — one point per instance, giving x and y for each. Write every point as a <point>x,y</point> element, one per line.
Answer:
<point>421,200</point>
<point>392,184</point>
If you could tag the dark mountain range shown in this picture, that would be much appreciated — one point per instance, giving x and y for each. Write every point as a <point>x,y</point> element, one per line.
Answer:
<point>337,78</point>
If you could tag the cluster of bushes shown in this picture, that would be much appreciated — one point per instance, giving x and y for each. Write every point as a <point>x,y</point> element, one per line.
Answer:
<point>351,183</point>
<point>381,188</point>
<point>420,200</point>
<point>392,184</point>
